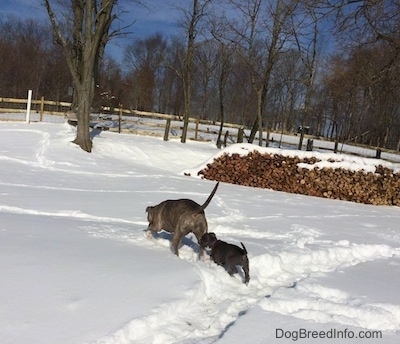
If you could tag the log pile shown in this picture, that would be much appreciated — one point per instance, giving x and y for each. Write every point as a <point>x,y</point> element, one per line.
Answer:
<point>282,173</point>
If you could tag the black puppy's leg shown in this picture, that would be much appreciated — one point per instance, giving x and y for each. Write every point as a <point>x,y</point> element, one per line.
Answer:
<point>246,269</point>
<point>232,269</point>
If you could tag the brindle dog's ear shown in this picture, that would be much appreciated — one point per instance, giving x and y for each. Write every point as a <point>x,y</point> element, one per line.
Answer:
<point>148,209</point>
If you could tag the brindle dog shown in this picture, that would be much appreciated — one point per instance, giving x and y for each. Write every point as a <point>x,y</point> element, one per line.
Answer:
<point>179,217</point>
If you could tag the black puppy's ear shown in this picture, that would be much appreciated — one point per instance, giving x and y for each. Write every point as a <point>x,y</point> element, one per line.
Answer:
<point>212,234</point>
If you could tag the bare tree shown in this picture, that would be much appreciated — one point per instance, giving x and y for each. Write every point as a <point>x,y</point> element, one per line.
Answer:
<point>364,22</point>
<point>369,32</point>
<point>206,61</point>
<point>306,34</point>
<point>246,38</point>
<point>286,91</point>
<point>111,88</point>
<point>191,24</point>
<point>83,36</point>
<point>225,66</point>
<point>144,58</point>
<point>25,47</point>
<point>260,34</point>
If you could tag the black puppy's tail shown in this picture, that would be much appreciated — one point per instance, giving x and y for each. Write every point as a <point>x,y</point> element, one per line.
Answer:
<point>245,265</point>
<point>244,249</point>
<point>207,202</point>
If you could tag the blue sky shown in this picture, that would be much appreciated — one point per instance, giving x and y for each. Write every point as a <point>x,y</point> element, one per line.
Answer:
<point>22,8</point>
<point>159,16</point>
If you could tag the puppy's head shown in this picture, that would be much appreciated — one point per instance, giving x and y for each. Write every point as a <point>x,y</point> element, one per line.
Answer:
<point>207,240</point>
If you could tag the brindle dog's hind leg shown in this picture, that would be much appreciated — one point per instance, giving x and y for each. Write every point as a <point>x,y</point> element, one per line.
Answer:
<point>176,241</point>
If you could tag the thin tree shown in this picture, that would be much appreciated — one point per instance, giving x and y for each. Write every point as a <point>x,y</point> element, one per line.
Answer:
<point>278,36</point>
<point>373,27</point>
<point>262,38</point>
<point>83,47</point>
<point>306,34</point>
<point>224,57</point>
<point>144,59</point>
<point>191,25</point>
<point>223,62</point>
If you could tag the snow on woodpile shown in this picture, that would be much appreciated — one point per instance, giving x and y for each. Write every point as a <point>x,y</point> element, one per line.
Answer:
<point>328,175</point>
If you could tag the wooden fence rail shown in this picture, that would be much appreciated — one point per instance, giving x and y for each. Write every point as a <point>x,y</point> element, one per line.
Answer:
<point>119,119</point>
<point>157,124</point>
<point>41,106</point>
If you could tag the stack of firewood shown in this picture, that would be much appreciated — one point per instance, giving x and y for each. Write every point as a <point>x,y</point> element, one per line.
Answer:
<point>282,173</point>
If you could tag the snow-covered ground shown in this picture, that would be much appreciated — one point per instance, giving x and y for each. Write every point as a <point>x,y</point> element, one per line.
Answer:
<point>156,127</point>
<point>76,266</point>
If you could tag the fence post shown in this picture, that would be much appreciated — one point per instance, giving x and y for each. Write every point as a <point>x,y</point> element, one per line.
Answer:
<point>167,127</point>
<point>335,150</point>
<point>310,144</point>
<point>226,138</point>
<point>240,135</point>
<point>301,139</point>
<point>41,108</point>
<point>267,138</point>
<point>119,118</point>
<point>197,129</point>
<point>28,106</point>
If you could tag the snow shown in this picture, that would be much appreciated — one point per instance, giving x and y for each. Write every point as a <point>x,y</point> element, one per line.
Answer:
<point>77,267</point>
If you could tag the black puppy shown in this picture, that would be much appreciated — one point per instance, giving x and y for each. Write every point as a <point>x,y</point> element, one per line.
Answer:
<point>227,255</point>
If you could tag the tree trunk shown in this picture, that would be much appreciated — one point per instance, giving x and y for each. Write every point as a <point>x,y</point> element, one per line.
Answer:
<point>259,115</point>
<point>257,126</point>
<point>84,91</point>
<point>83,139</point>
<point>90,22</point>
<point>221,86</point>
<point>187,82</point>
<point>187,113</point>
<point>253,131</point>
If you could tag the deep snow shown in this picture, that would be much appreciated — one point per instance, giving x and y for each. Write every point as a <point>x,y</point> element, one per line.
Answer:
<point>77,267</point>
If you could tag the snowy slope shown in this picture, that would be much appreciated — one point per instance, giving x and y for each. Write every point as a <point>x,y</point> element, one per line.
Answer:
<point>77,267</point>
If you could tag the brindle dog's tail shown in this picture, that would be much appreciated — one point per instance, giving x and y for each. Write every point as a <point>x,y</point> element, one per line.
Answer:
<point>244,249</point>
<point>207,202</point>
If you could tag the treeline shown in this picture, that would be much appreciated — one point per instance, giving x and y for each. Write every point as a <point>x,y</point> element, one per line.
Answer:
<point>325,65</point>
